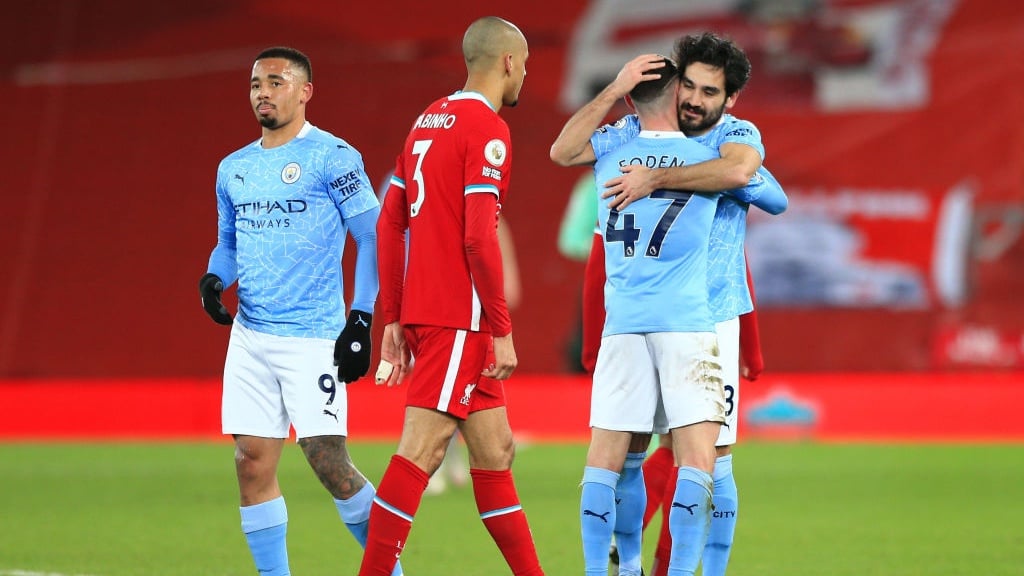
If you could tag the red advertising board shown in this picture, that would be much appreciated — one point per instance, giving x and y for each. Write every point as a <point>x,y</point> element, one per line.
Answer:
<point>827,407</point>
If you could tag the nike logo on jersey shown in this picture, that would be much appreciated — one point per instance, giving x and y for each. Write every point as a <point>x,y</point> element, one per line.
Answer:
<point>603,517</point>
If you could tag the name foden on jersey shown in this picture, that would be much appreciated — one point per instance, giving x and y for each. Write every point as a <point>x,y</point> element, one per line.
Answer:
<point>663,161</point>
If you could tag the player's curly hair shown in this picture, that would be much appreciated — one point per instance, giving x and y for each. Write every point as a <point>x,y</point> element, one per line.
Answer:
<point>713,50</point>
<point>292,55</point>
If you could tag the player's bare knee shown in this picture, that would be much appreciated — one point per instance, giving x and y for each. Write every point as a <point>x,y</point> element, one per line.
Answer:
<point>253,469</point>
<point>426,453</point>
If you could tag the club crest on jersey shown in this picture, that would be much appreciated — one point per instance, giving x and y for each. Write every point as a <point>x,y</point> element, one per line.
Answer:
<point>495,152</point>
<point>465,394</point>
<point>291,173</point>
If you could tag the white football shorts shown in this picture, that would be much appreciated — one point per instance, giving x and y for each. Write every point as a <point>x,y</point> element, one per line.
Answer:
<point>729,354</point>
<point>658,381</point>
<point>274,382</point>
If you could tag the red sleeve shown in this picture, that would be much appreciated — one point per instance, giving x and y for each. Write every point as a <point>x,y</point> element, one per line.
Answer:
<point>750,338</point>
<point>391,226</point>
<point>484,257</point>
<point>593,304</point>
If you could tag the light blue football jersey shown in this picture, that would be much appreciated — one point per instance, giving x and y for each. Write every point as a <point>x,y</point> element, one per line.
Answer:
<point>727,271</point>
<point>656,250</point>
<point>281,231</point>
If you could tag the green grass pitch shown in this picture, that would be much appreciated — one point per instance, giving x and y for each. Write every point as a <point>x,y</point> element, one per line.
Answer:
<point>166,509</point>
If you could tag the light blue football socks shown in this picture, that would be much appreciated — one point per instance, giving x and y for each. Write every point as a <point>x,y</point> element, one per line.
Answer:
<point>355,513</point>
<point>597,518</point>
<point>689,520</point>
<point>630,503</point>
<point>723,519</point>
<point>266,526</point>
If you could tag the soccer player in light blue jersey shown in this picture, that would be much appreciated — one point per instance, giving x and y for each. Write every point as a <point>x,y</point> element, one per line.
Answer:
<point>650,358</point>
<point>285,204</point>
<point>713,72</point>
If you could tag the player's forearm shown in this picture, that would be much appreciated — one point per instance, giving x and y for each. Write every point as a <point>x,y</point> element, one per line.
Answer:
<point>224,257</point>
<point>489,282</point>
<point>772,198</point>
<point>223,262</point>
<point>572,147</point>
<point>390,259</point>
<point>711,176</point>
<point>483,255</point>
<point>364,232</point>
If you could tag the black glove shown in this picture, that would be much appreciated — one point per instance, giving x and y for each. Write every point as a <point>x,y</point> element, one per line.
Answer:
<point>210,287</point>
<point>352,348</point>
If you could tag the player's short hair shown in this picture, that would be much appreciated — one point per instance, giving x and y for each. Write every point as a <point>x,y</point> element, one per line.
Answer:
<point>651,90</point>
<point>713,50</point>
<point>292,55</point>
<point>487,37</point>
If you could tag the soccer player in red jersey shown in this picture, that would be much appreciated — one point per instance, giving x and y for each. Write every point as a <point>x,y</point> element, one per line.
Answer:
<point>446,307</point>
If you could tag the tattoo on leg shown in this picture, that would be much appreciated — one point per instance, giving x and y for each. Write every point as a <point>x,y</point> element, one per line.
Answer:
<point>329,458</point>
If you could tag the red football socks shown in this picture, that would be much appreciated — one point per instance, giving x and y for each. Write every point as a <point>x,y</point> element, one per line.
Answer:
<point>501,513</point>
<point>398,498</point>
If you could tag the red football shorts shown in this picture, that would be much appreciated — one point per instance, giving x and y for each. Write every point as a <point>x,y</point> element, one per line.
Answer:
<point>446,375</point>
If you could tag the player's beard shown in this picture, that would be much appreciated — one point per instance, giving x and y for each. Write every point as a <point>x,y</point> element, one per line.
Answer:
<point>707,119</point>
<point>268,121</point>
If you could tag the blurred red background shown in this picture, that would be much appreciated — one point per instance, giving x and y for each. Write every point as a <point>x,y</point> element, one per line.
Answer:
<point>119,113</point>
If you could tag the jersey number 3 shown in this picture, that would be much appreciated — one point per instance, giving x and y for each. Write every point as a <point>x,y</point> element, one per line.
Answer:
<point>419,150</point>
<point>629,233</point>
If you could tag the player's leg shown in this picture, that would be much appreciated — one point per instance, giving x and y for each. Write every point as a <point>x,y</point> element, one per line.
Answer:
<point>453,469</point>
<point>695,405</point>
<point>662,467</point>
<point>443,362</point>
<point>663,548</point>
<point>623,399</point>
<point>317,405</point>
<point>690,513</point>
<point>491,450</point>
<point>659,468</point>
<point>598,507</point>
<point>723,519</point>
<point>437,483</point>
<point>454,465</point>
<point>631,504</point>
<point>263,511</point>
<point>421,447</point>
<point>725,500</point>
<point>253,412</point>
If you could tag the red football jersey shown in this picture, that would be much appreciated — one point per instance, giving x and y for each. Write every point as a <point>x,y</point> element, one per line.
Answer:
<point>457,148</point>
